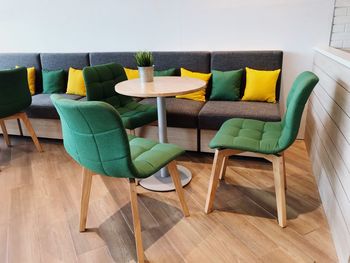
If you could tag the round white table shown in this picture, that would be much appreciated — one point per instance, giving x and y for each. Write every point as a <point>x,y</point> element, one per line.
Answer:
<point>160,88</point>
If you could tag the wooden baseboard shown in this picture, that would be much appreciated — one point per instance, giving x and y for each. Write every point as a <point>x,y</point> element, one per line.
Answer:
<point>185,138</point>
<point>206,137</point>
<point>44,128</point>
<point>51,128</point>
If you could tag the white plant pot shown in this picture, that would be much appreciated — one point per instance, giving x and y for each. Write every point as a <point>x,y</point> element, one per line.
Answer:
<point>146,73</point>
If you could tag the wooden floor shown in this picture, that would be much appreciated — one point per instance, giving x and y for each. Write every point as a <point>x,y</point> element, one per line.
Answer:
<point>40,200</point>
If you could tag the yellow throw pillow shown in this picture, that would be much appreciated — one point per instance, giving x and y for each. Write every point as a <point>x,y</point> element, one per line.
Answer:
<point>197,95</point>
<point>261,85</point>
<point>76,84</point>
<point>31,79</point>
<point>131,73</point>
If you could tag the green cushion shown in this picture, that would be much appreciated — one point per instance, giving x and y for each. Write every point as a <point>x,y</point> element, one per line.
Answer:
<point>54,81</point>
<point>248,135</point>
<point>100,84</point>
<point>226,85</point>
<point>268,137</point>
<point>135,114</point>
<point>165,73</point>
<point>150,156</point>
<point>94,136</point>
<point>14,92</point>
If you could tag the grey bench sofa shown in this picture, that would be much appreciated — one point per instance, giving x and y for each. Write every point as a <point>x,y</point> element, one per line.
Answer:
<point>191,124</point>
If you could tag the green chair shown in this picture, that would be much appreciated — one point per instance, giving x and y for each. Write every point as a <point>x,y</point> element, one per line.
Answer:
<point>262,139</point>
<point>14,99</point>
<point>100,84</point>
<point>94,136</point>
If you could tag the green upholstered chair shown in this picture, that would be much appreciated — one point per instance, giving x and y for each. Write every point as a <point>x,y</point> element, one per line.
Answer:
<point>94,136</point>
<point>100,81</point>
<point>14,99</point>
<point>262,139</point>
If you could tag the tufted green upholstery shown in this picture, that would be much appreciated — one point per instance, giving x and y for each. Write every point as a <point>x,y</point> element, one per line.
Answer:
<point>149,156</point>
<point>100,81</point>
<point>268,137</point>
<point>14,92</point>
<point>94,136</point>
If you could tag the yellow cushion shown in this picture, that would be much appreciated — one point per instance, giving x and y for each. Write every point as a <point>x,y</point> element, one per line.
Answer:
<point>261,85</point>
<point>198,95</point>
<point>131,73</point>
<point>31,79</point>
<point>76,85</point>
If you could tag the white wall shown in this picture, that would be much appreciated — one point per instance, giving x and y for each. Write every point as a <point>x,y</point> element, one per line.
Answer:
<point>340,37</point>
<point>114,25</point>
<point>327,139</point>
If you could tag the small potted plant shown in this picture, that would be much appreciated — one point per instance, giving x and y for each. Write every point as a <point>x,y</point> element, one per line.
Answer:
<point>144,61</point>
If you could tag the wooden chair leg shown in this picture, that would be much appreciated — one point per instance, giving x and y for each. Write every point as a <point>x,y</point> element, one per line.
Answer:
<point>136,221</point>
<point>31,131</point>
<point>214,179</point>
<point>4,132</point>
<point>19,127</point>
<point>223,168</point>
<point>284,172</point>
<point>85,196</point>
<point>280,190</point>
<point>179,190</point>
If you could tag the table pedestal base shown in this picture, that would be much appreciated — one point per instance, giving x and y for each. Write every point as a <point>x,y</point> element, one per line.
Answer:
<point>165,184</point>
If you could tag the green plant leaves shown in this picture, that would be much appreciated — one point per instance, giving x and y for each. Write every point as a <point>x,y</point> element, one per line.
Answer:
<point>144,59</point>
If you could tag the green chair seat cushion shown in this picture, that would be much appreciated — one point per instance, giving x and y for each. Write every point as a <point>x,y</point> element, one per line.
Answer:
<point>150,156</point>
<point>135,114</point>
<point>248,135</point>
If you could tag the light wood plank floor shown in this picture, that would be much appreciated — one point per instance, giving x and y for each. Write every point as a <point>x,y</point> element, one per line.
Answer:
<point>39,206</point>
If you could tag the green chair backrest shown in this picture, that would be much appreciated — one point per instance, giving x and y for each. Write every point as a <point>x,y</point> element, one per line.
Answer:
<point>14,92</point>
<point>94,136</point>
<point>100,83</point>
<point>296,100</point>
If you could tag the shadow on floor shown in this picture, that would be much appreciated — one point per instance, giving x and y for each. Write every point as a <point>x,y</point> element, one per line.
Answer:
<point>157,218</point>
<point>236,198</point>
<point>20,147</point>
<point>236,160</point>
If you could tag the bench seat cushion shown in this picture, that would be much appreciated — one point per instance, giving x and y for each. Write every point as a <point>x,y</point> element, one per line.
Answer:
<point>215,113</point>
<point>181,113</point>
<point>42,107</point>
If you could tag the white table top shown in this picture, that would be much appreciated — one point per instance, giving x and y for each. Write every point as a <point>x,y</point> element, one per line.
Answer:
<point>160,87</point>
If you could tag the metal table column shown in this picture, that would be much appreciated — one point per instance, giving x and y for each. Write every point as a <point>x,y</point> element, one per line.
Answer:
<point>161,181</point>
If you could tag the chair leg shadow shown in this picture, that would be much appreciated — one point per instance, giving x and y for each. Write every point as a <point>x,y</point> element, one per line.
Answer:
<point>157,218</point>
<point>259,202</point>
